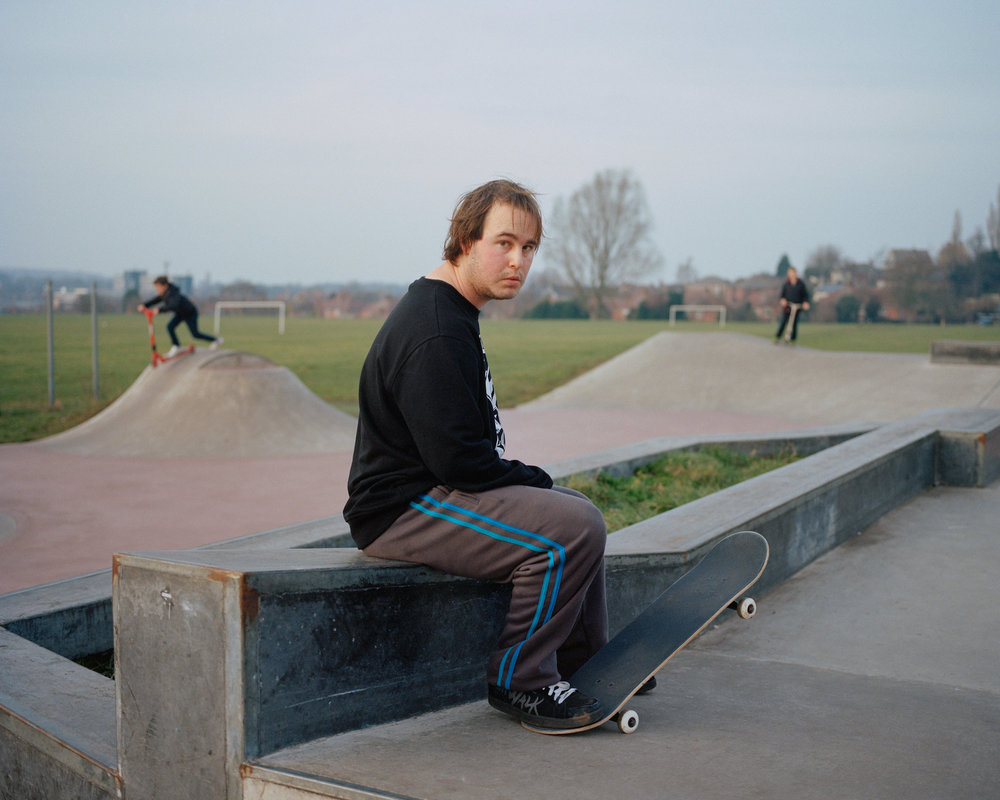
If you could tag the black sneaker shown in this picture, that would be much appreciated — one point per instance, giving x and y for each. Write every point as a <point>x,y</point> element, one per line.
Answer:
<point>555,706</point>
<point>648,686</point>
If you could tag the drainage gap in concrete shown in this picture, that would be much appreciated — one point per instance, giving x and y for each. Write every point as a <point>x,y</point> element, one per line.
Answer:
<point>101,663</point>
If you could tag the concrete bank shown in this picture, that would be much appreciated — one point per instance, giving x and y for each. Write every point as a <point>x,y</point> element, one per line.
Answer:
<point>946,351</point>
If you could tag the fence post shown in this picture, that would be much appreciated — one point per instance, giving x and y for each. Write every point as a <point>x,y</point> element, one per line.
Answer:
<point>52,364</point>
<point>93,328</point>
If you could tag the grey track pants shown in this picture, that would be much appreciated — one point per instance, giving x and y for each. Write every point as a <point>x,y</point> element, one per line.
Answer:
<point>548,543</point>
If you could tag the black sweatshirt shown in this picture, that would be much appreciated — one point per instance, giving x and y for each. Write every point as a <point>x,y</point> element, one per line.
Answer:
<point>795,292</point>
<point>173,300</point>
<point>427,412</point>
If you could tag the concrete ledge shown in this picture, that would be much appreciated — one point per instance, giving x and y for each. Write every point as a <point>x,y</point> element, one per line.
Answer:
<point>946,351</point>
<point>242,652</point>
<point>71,617</point>
<point>968,448</point>
<point>57,726</point>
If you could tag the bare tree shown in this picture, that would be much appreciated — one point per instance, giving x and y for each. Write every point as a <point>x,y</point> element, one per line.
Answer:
<point>917,285</point>
<point>954,251</point>
<point>993,224</point>
<point>600,238</point>
<point>976,243</point>
<point>823,261</point>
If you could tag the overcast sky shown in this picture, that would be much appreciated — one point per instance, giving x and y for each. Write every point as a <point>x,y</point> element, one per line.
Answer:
<point>328,141</point>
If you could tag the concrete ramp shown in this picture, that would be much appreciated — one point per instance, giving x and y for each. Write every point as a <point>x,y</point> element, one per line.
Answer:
<point>728,372</point>
<point>223,404</point>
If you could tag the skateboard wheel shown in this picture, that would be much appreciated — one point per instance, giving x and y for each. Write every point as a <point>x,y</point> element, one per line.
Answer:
<point>746,607</point>
<point>628,721</point>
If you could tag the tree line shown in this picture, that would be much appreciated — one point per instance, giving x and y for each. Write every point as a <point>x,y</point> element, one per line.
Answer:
<point>599,238</point>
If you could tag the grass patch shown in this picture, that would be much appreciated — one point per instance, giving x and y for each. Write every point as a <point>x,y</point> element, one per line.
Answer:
<point>673,480</point>
<point>527,357</point>
<point>326,355</point>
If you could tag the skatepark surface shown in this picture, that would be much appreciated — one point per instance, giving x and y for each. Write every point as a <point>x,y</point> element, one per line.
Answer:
<point>222,444</point>
<point>872,673</point>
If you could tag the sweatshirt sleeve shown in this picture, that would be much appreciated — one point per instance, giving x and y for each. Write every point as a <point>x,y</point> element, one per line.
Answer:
<point>440,392</point>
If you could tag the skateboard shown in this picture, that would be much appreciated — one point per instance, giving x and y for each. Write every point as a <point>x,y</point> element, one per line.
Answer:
<point>619,669</point>
<point>157,358</point>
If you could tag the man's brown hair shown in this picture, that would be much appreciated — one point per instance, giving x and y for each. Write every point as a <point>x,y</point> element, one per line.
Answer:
<point>470,214</point>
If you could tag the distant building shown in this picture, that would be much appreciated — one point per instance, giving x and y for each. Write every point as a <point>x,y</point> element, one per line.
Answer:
<point>65,299</point>
<point>131,281</point>
<point>360,305</point>
<point>706,291</point>
<point>140,283</point>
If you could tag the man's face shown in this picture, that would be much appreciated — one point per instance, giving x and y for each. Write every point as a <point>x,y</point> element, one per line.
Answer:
<point>496,266</point>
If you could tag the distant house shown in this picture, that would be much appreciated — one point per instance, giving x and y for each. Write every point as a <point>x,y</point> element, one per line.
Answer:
<point>827,290</point>
<point>630,296</point>
<point>707,291</point>
<point>358,305</point>
<point>759,293</point>
<point>65,299</point>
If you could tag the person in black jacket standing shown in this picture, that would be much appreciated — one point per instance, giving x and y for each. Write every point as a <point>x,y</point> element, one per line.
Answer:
<point>169,298</point>
<point>794,300</point>
<point>429,483</point>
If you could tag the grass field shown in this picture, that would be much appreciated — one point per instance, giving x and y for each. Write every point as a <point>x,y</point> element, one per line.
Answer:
<point>527,357</point>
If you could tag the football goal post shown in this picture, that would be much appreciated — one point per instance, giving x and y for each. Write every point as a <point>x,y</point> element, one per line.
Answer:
<point>720,310</point>
<point>278,304</point>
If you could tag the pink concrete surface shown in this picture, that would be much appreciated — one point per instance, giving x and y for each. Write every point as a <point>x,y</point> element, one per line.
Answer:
<point>70,513</point>
<point>67,505</point>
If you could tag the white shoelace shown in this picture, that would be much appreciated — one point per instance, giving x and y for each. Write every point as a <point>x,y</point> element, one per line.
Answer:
<point>560,691</point>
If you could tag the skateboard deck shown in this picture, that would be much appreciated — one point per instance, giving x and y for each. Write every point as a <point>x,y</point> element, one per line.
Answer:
<point>619,669</point>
